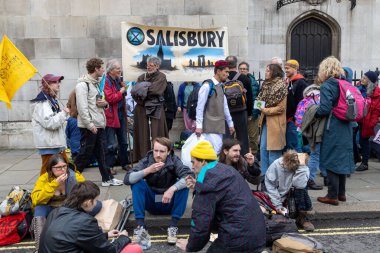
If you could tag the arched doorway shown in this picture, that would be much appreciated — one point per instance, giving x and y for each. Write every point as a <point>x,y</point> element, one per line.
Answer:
<point>312,37</point>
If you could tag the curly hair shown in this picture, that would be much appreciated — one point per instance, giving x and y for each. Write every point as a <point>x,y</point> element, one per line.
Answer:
<point>93,63</point>
<point>290,160</point>
<point>330,67</point>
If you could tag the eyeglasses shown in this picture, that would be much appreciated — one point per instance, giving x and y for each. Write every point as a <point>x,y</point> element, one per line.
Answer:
<point>63,167</point>
<point>243,69</point>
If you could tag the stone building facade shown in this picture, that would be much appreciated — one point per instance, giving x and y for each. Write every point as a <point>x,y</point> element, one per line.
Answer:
<point>59,36</point>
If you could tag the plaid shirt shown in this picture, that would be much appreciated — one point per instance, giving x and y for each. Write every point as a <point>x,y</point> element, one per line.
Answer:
<point>224,199</point>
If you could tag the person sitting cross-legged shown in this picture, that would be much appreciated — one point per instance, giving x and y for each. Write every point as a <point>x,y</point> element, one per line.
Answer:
<point>158,186</point>
<point>283,174</point>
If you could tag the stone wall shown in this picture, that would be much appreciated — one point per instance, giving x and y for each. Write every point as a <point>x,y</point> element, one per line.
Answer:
<point>58,36</point>
<point>267,30</point>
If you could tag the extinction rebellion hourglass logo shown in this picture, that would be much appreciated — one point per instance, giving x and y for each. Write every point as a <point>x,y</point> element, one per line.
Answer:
<point>135,36</point>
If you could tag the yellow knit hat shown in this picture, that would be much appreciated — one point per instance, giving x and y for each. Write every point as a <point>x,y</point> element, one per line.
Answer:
<point>293,64</point>
<point>204,150</point>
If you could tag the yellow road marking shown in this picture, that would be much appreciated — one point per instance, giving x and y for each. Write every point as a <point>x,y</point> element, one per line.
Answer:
<point>339,229</point>
<point>156,238</point>
<point>345,233</point>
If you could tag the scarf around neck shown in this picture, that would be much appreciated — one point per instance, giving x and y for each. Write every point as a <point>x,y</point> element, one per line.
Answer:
<point>273,92</point>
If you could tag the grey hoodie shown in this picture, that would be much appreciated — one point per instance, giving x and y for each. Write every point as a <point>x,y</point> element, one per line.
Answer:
<point>89,115</point>
<point>279,180</point>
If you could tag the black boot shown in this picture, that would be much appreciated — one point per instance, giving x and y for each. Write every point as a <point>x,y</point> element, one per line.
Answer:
<point>362,167</point>
<point>313,186</point>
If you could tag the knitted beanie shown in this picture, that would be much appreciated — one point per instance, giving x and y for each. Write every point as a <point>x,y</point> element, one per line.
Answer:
<point>204,150</point>
<point>372,76</point>
<point>293,64</point>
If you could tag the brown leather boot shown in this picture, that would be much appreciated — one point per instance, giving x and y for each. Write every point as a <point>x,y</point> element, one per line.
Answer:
<point>303,221</point>
<point>36,227</point>
<point>327,200</point>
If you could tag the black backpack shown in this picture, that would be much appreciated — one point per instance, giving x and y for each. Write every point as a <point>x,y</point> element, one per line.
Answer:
<point>277,225</point>
<point>235,94</point>
<point>192,101</point>
<point>170,103</point>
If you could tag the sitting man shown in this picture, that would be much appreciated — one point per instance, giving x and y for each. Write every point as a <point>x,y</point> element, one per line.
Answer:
<point>284,173</point>
<point>223,200</point>
<point>158,186</point>
<point>245,165</point>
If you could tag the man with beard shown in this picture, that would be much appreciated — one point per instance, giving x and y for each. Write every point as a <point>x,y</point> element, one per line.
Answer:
<point>245,165</point>
<point>158,186</point>
<point>147,126</point>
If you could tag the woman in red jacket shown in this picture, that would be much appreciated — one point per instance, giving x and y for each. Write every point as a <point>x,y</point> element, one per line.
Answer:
<point>371,119</point>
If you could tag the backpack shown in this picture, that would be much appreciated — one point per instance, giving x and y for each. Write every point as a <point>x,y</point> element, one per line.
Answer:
<point>72,102</point>
<point>235,94</point>
<point>192,101</point>
<point>351,104</point>
<point>16,201</point>
<point>278,225</point>
<point>297,243</point>
<point>170,103</point>
<point>14,228</point>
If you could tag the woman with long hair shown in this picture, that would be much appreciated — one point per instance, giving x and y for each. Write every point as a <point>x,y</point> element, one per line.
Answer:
<point>273,116</point>
<point>70,228</point>
<point>51,190</point>
<point>336,155</point>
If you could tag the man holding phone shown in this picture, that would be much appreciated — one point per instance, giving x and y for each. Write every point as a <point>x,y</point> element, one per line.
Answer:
<point>92,121</point>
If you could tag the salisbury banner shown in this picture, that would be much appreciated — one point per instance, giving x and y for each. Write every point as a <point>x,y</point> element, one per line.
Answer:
<point>15,70</point>
<point>186,54</point>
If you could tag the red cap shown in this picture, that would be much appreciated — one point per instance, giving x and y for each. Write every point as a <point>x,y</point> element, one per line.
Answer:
<point>52,78</point>
<point>221,63</point>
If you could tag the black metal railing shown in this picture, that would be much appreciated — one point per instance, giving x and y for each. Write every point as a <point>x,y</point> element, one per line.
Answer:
<point>311,74</point>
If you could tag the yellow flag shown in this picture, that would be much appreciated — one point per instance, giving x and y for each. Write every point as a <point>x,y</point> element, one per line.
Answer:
<point>15,70</point>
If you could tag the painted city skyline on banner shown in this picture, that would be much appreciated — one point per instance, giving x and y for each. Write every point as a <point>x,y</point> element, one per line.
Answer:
<point>186,54</point>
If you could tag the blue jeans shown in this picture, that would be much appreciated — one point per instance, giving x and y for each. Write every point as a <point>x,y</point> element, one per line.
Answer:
<point>42,210</point>
<point>144,198</point>
<point>314,161</point>
<point>267,156</point>
<point>292,137</point>
<point>122,142</point>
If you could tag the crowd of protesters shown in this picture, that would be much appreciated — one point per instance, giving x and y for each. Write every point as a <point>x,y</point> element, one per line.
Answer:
<point>262,143</point>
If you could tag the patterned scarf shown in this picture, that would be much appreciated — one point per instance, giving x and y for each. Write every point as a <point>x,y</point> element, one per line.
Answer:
<point>273,92</point>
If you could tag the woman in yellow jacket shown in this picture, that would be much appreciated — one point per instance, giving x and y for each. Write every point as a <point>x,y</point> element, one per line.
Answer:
<point>51,190</point>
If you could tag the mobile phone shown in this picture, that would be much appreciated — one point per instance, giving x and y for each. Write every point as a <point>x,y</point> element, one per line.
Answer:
<point>99,97</point>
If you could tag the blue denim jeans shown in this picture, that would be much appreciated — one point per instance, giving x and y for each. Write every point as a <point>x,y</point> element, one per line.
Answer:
<point>144,198</point>
<point>122,142</point>
<point>314,161</point>
<point>267,156</point>
<point>292,137</point>
<point>44,210</point>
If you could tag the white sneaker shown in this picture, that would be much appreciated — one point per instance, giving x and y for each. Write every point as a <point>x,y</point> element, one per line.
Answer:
<point>117,181</point>
<point>141,237</point>
<point>114,182</point>
<point>172,235</point>
<point>106,183</point>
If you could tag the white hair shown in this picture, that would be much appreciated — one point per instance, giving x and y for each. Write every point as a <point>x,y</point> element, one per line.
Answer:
<point>111,64</point>
<point>155,60</point>
<point>278,60</point>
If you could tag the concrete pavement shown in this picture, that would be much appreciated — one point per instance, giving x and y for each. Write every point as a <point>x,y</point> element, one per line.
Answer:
<point>21,167</point>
